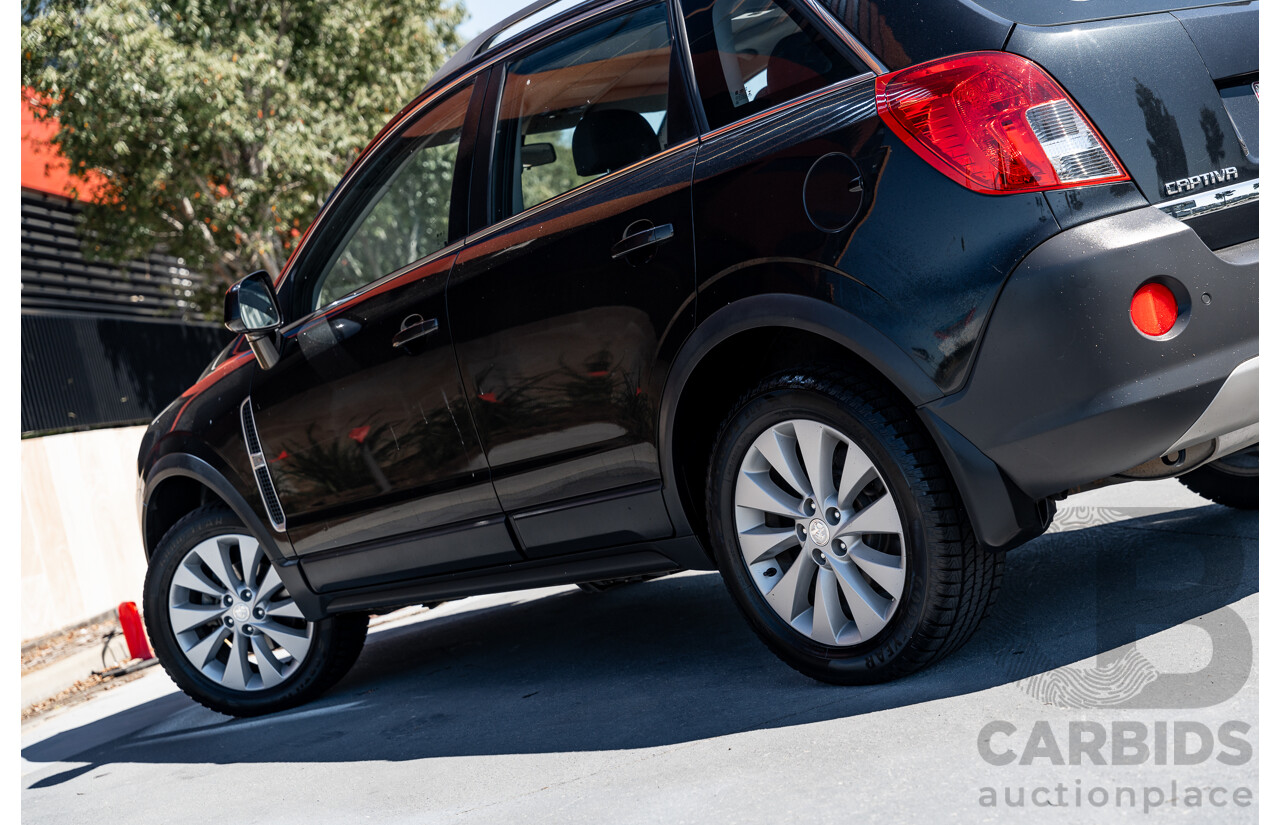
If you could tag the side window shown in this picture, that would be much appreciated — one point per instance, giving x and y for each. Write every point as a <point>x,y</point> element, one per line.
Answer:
<point>398,211</point>
<point>750,55</point>
<point>582,107</point>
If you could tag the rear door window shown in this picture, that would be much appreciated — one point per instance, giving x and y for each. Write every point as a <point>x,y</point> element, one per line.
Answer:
<point>751,55</point>
<point>584,106</point>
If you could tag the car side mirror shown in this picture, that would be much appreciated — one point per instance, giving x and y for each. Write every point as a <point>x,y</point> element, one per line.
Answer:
<point>537,154</point>
<point>251,309</point>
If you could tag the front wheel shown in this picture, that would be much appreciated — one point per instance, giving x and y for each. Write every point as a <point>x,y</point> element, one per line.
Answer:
<point>225,627</point>
<point>839,531</point>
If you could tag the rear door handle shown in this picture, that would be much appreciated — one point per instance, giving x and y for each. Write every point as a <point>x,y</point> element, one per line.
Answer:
<point>413,328</point>
<point>645,237</point>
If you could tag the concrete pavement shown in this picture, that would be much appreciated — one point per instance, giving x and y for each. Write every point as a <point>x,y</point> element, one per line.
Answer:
<point>1136,619</point>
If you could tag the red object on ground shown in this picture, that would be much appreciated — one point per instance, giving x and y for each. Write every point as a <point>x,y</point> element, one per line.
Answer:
<point>359,434</point>
<point>134,635</point>
<point>1154,310</point>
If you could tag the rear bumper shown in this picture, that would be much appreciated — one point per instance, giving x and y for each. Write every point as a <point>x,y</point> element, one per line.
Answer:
<point>1065,392</point>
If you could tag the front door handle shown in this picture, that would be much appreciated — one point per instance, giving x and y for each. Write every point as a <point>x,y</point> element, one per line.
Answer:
<point>413,328</point>
<point>650,236</point>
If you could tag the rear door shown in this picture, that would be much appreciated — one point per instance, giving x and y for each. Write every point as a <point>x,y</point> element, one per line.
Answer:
<point>582,273</point>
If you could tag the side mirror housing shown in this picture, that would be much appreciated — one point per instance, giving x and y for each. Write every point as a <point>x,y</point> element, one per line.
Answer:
<point>252,310</point>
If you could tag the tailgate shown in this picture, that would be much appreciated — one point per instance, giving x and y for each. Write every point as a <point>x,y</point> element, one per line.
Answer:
<point>1175,95</point>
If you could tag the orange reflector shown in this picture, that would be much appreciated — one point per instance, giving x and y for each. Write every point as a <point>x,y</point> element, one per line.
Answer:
<point>1154,310</point>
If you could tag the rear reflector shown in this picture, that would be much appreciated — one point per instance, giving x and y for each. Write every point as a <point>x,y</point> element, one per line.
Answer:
<point>1154,310</point>
<point>996,123</point>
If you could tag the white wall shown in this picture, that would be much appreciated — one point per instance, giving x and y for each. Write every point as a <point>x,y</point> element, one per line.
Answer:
<point>81,547</point>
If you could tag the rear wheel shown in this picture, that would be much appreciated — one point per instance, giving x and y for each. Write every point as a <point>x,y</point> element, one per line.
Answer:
<point>1231,480</point>
<point>227,630</point>
<point>839,531</point>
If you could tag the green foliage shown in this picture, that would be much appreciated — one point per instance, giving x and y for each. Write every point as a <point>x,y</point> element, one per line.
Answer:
<point>221,125</point>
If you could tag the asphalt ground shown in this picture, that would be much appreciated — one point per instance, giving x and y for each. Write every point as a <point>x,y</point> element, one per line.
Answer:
<point>1135,620</point>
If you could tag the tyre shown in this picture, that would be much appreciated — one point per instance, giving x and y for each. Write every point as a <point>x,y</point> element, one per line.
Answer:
<point>1231,481</point>
<point>226,629</point>
<point>839,531</point>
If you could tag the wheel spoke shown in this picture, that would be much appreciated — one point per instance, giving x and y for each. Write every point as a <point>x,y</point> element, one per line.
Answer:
<point>236,676</point>
<point>779,449</point>
<point>858,472</point>
<point>869,609</point>
<point>757,491</point>
<point>818,446</point>
<point>271,668</point>
<point>285,610</point>
<point>202,652</point>
<point>270,584</point>
<point>761,543</point>
<point>884,569</point>
<point>880,516</point>
<point>216,553</point>
<point>195,579</point>
<point>294,641</point>
<point>790,596</point>
<point>185,617</point>
<point>251,556</point>
<point>828,617</point>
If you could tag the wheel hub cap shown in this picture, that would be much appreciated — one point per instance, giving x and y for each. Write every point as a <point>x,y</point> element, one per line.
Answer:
<point>819,532</point>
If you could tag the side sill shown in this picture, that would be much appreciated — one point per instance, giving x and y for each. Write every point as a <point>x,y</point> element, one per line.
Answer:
<point>666,556</point>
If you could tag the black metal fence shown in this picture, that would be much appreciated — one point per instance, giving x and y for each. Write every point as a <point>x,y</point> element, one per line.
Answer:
<point>102,345</point>
<point>81,371</point>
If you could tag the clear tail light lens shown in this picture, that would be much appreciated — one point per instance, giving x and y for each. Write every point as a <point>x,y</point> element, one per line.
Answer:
<point>996,123</point>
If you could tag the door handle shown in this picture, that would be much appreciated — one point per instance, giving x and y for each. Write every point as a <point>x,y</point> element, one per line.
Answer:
<point>413,328</point>
<point>651,236</point>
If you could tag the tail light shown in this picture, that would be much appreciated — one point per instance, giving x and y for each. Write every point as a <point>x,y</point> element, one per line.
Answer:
<point>996,123</point>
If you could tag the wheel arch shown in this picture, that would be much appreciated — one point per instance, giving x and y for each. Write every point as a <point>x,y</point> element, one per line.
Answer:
<point>741,343</point>
<point>179,483</point>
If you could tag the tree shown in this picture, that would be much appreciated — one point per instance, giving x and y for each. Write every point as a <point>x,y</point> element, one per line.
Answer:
<point>221,125</point>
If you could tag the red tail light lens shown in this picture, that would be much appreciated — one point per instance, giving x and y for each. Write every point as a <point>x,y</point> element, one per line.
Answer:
<point>996,123</point>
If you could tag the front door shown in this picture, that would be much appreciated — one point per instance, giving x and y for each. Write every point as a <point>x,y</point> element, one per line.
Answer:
<point>561,307</point>
<point>363,421</point>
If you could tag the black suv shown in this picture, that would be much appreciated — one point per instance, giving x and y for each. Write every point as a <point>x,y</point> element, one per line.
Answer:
<point>835,297</point>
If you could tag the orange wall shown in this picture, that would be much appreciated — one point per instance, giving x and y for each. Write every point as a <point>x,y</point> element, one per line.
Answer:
<point>42,167</point>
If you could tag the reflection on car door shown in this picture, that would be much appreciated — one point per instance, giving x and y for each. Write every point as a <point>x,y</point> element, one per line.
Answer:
<point>364,421</point>
<point>561,306</point>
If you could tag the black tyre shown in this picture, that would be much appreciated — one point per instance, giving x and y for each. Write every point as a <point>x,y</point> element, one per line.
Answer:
<point>1231,481</point>
<point>226,629</point>
<point>839,531</point>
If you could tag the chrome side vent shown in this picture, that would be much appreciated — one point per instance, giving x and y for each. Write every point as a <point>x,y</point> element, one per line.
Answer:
<point>259,463</point>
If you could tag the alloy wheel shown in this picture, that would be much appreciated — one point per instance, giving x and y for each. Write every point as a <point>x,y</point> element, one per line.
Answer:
<point>233,618</point>
<point>820,533</point>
